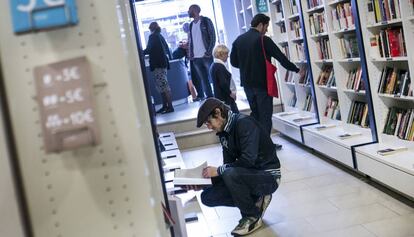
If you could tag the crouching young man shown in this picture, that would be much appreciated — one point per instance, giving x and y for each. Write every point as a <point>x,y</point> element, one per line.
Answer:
<point>251,170</point>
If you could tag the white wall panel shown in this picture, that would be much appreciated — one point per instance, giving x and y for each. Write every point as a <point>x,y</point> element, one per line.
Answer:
<point>112,189</point>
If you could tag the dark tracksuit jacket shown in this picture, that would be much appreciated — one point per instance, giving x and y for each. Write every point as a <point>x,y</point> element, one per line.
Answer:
<point>247,55</point>
<point>245,144</point>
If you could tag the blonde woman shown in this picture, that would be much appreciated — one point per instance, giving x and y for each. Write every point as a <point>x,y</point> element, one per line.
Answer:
<point>224,86</point>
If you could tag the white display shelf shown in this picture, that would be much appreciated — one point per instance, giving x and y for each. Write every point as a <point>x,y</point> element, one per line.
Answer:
<point>395,97</point>
<point>385,24</point>
<point>332,88</point>
<point>301,61</point>
<point>350,91</point>
<point>321,61</point>
<point>294,16</point>
<point>316,9</point>
<point>310,118</point>
<point>332,134</point>
<point>319,35</point>
<point>349,60</point>
<point>402,160</point>
<point>343,31</point>
<point>280,21</point>
<point>390,59</point>
<point>296,40</point>
<point>332,3</point>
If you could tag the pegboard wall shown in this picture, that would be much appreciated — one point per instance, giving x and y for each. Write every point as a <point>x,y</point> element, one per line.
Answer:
<point>112,189</point>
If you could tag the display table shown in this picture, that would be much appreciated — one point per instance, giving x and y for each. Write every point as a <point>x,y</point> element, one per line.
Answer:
<point>177,78</point>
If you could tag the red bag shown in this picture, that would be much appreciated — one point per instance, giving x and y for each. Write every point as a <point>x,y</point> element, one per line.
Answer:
<point>272,89</point>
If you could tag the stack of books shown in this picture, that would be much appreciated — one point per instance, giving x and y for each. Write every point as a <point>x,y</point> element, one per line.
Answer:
<point>324,49</point>
<point>308,103</point>
<point>326,76</point>
<point>342,17</point>
<point>317,23</point>
<point>332,109</point>
<point>383,10</point>
<point>349,46</point>
<point>355,81</point>
<point>388,43</point>
<point>358,114</point>
<point>400,123</point>
<point>395,81</point>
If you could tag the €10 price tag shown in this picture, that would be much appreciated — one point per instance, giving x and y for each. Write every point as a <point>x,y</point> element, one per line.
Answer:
<point>67,109</point>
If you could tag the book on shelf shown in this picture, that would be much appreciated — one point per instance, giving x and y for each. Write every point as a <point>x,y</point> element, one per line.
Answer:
<point>300,52</point>
<point>314,3</point>
<point>387,43</point>
<point>293,8</point>
<point>355,81</point>
<point>307,106</point>
<point>325,75</point>
<point>400,123</point>
<point>303,118</point>
<point>370,17</point>
<point>287,113</point>
<point>285,50</point>
<point>324,48</point>
<point>304,79</point>
<point>192,176</point>
<point>347,135</point>
<point>332,109</point>
<point>383,10</point>
<point>295,29</point>
<point>325,126</point>
<point>391,150</point>
<point>394,81</point>
<point>349,46</point>
<point>342,17</point>
<point>317,23</point>
<point>358,114</point>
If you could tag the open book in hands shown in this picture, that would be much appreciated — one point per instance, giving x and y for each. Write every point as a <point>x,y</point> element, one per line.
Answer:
<point>190,177</point>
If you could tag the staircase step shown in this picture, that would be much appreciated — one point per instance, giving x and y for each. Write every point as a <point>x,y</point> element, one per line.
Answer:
<point>196,138</point>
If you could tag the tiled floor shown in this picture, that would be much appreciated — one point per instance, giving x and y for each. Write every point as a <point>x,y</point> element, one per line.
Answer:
<point>315,199</point>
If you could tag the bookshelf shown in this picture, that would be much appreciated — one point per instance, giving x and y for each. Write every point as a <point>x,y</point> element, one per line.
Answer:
<point>296,92</point>
<point>244,12</point>
<point>338,80</point>
<point>387,31</point>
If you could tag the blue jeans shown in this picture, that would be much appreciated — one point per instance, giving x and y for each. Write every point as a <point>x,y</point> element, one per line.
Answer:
<point>201,67</point>
<point>239,187</point>
<point>261,105</point>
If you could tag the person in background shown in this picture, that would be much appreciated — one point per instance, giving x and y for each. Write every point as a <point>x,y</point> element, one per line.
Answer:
<point>182,52</point>
<point>157,49</point>
<point>202,38</point>
<point>224,86</point>
<point>251,169</point>
<point>247,55</point>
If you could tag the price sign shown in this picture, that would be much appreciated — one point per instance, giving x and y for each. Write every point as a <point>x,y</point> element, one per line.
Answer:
<point>67,110</point>
<point>29,15</point>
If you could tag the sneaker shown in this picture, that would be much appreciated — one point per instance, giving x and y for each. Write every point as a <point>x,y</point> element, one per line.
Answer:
<point>247,225</point>
<point>263,203</point>
<point>278,147</point>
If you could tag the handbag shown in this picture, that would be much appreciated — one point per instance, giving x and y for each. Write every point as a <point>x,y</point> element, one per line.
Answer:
<point>272,89</point>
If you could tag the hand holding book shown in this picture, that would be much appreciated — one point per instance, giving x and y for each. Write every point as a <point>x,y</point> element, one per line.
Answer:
<point>210,171</point>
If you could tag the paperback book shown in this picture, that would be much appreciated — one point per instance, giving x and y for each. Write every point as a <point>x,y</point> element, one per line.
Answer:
<point>192,176</point>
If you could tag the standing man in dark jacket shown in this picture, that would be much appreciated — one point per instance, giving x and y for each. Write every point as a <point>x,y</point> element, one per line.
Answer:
<point>202,39</point>
<point>157,48</point>
<point>251,170</point>
<point>247,55</point>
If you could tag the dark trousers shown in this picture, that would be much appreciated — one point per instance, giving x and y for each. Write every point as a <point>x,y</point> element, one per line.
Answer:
<point>261,105</point>
<point>201,67</point>
<point>239,187</point>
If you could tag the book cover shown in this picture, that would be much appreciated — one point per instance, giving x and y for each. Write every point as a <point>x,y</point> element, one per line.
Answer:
<point>192,176</point>
<point>391,150</point>
<point>349,135</point>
